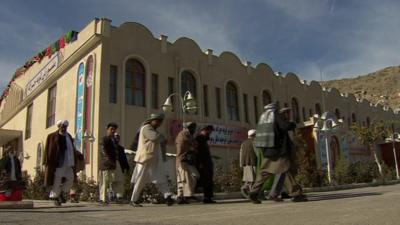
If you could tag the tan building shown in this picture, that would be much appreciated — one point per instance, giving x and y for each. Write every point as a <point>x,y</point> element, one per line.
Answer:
<point>124,73</point>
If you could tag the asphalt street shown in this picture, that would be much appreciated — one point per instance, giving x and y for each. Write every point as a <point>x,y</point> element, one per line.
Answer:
<point>363,206</point>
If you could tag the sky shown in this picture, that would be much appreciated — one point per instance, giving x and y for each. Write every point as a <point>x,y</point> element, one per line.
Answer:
<point>338,38</point>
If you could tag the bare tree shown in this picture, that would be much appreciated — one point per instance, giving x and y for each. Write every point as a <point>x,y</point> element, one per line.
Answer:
<point>370,136</point>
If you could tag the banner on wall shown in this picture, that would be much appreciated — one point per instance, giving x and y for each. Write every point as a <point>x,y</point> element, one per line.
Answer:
<point>79,107</point>
<point>223,136</point>
<point>42,75</point>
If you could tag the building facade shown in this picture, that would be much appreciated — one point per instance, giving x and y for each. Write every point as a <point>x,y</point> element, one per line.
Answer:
<point>122,74</point>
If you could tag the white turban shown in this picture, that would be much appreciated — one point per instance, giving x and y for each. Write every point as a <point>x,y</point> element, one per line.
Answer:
<point>62,122</point>
<point>251,132</point>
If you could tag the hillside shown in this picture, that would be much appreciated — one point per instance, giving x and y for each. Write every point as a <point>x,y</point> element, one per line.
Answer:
<point>382,86</point>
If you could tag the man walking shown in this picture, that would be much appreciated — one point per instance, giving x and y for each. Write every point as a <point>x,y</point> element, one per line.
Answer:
<point>186,171</point>
<point>272,137</point>
<point>150,160</point>
<point>205,164</point>
<point>112,164</point>
<point>248,161</point>
<point>59,161</point>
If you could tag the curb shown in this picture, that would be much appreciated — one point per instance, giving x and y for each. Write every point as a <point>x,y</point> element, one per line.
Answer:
<point>16,205</point>
<point>238,194</point>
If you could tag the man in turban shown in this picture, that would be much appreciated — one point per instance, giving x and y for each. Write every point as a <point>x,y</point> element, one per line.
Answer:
<point>59,161</point>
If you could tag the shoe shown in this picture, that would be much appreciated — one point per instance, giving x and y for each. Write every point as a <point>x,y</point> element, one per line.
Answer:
<point>275,199</point>
<point>169,201</point>
<point>299,198</point>
<point>285,195</point>
<point>119,201</point>
<point>254,199</point>
<point>104,203</point>
<point>135,204</point>
<point>62,198</point>
<point>208,201</point>
<point>181,201</point>
<point>57,201</point>
<point>193,198</point>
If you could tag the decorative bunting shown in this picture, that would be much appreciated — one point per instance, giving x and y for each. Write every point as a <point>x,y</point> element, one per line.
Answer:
<point>69,37</point>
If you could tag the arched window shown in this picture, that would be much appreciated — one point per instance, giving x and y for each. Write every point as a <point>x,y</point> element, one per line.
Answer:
<point>295,110</point>
<point>188,83</point>
<point>232,102</point>
<point>318,109</point>
<point>337,113</point>
<point>303,110</point>
<point>135,83</point>
<point>353,118</point>
<point>266,97</point>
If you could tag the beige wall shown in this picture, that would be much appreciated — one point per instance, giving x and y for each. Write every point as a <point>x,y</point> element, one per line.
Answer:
<point>115,45</point>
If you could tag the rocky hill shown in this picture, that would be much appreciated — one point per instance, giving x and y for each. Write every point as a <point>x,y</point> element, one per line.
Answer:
<point>382,86</point>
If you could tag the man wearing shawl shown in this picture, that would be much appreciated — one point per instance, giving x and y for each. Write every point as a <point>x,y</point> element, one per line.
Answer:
<point>273,139</point>
<point>186,171</point>
<point>150,160</point>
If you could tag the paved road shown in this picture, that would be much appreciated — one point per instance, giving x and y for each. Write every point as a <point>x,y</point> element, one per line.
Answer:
<point>374,205</point>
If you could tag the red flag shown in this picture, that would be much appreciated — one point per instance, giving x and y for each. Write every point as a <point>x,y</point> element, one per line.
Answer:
<point>61,42</point>
<point>48,52</point>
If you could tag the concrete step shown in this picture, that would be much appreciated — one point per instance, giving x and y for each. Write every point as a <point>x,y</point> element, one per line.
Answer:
<point>16,205</point>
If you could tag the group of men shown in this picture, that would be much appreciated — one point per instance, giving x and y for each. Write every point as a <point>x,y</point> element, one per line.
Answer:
<point>194,166</point>
<point>62,162</point>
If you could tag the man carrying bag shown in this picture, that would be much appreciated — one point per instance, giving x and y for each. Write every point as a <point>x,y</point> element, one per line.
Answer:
<point>273,139</point>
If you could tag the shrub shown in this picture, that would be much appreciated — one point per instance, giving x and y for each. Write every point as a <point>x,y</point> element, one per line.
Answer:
<point>308,174</point>
<point>341,172</point>
<point>35,188</point>
<point>86,188</point>
<point>230,180</point>
<point>363,171</point>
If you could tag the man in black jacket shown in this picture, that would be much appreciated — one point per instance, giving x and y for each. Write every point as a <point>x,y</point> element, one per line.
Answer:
<point>10,172</point>
<point>205,164</point>
<point>112,165</point>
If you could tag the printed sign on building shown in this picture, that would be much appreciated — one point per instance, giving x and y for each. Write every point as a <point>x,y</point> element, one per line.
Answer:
<point>42,75</point>
<point>224,136</point>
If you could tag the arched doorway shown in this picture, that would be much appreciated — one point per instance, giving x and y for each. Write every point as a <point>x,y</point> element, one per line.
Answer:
<point>334,150</point>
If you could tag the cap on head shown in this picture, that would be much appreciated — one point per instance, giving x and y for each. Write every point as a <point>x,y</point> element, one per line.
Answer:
<point>272,105</point>
<point>208,128</point>
<point>284,109</point>
<point>251,133</point>
<point>189,124</point>
<point>155,116</point>
<point>63,123</point>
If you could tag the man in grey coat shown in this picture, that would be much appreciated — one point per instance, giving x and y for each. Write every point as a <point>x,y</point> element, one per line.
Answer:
<point>248,160</point>
<point>273,139</point>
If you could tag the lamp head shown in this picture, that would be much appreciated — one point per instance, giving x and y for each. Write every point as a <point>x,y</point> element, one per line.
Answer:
<point>167,106</point>
<point>190,103</point>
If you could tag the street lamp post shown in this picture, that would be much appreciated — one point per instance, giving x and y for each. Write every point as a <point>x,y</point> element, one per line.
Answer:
<point>327,126</point>
<point>88,137</point>
<point>187,104</point>
<point>395,156</point>
<point>393,139</point>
